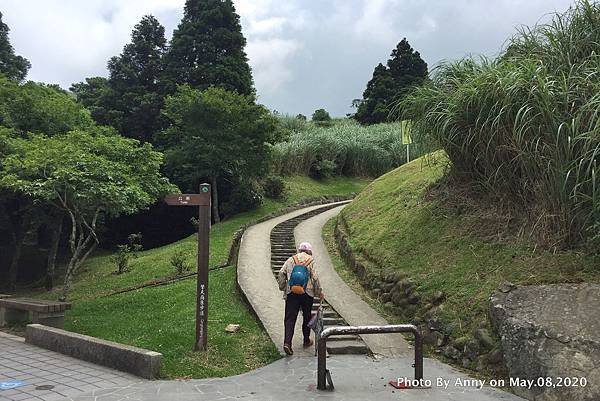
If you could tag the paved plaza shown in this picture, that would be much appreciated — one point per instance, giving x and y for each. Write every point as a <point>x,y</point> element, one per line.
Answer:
<point>48,376</point>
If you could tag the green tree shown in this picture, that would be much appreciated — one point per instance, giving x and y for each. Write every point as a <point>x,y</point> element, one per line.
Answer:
<point>131,99</point>
<point>33,107</point>
<point>405,70</point>
<point>321,116</point>
<point>86,177</point>
<point>135,80</point>
<point>207,49</point>
<point>96,95</point>
<point>12,66</point>
<point>215,135</point>
<point>380,91</point>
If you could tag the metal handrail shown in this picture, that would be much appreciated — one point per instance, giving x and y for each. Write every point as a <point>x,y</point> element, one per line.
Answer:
<point>341,330</point>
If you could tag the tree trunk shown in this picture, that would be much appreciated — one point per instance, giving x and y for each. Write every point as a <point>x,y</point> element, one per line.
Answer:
<point>18,237</point>
<point>50,266</point>
<point>215,200</point>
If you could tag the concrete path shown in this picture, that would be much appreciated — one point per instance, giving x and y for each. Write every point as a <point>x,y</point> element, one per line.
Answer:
<point>341,297</point>
<point>48,375</point>
<point>256,280</point>
<point>293,379</point>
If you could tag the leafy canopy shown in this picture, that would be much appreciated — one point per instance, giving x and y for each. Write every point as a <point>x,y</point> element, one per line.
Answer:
<point>39,108</point>
<point>12,66</point>
<point>405,70</point>
<point>215,133</point>
<point>207,49</point>
<point>83,173</point>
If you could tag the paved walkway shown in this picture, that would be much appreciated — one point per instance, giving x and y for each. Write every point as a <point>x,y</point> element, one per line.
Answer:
<point>258,284</point>
<point>341,297</point>
<point>355,378</point>
<point>50,376</point>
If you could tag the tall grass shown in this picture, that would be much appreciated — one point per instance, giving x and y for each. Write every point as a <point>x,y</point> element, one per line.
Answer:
<point>526,126</point>
<point>354,149</point>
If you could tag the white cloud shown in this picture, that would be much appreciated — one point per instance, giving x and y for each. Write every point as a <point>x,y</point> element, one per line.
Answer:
<point>305,54</point>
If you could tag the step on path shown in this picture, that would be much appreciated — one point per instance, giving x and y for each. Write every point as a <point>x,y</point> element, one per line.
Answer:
<point>283,246</point>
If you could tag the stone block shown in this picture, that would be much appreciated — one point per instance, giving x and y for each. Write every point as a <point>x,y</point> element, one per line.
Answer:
<point>137,361</point>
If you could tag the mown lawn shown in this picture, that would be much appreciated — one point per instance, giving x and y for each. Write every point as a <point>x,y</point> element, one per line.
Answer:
<point>162,318</point>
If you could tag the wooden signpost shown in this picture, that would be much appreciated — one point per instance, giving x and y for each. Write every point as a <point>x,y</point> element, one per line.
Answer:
<point>202,200</point>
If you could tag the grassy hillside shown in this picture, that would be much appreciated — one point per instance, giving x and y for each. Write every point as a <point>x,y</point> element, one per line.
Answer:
<point>162,318</point>
<point>403,223</point>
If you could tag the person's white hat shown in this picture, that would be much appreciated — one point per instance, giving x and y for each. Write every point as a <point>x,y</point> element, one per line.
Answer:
<point>305,246</point>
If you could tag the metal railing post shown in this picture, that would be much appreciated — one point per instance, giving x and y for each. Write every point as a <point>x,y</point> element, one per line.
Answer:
<point>341,330</point>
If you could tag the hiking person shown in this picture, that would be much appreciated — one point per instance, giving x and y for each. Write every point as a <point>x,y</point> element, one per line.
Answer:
<point>299,281</point>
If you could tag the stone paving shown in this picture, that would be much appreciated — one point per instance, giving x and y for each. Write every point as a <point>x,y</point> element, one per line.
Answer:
<point>49,375</point>
<point>355,378</point>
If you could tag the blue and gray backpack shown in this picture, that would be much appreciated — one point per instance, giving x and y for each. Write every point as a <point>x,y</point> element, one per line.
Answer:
<point>299,276</point>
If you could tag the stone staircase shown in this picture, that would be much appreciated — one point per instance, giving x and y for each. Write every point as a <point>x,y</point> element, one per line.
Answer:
<point>282,247</point>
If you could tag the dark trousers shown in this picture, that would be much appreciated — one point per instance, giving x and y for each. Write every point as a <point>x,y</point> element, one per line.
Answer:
<point>293,304</point>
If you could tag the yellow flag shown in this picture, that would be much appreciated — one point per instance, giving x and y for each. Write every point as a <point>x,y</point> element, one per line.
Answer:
<point>405,128</point>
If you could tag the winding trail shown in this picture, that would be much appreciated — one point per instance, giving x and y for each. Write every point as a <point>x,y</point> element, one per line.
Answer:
<point>356,377</point>
<point>341,297</point>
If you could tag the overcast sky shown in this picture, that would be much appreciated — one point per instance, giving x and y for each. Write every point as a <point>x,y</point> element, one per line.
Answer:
<point>305,54</point>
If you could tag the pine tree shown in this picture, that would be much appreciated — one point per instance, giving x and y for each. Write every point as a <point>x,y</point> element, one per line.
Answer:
<point>12,66</point>
<point>207,49</point>
<point>405,69</point>
<point>376,98</point>
<point>134,80</point>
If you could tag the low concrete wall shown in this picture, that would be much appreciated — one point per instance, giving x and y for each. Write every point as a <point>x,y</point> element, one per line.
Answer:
<point>137,361</point>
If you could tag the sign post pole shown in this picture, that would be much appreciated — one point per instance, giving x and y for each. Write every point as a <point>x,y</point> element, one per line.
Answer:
<point>202,281</point>
<point>202,200</point>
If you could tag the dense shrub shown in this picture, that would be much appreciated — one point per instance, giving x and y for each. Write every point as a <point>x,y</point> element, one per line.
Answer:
<point>242,198</point>
<point>322,168</point>
<point>526,127</point>
<point>273,187</point>
<point>355,150</point>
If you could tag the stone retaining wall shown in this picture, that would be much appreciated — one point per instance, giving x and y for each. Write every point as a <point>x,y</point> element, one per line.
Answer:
<point>400,296</point>
<point>137,361</point>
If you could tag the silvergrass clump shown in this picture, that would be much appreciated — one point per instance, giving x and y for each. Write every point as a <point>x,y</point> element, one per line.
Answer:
<point>355,150</point>
<point>179,262</point>
<point>526,126</point>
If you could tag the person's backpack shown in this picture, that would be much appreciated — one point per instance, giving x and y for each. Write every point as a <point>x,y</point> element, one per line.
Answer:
<point>299,276</point>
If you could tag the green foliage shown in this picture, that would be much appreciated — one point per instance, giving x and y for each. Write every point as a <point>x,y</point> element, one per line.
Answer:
<point>86,177</point>
<point>96,95</point>
<point>207,49</point>
<point>406,224</point>
<point>135,243</point>
<point>40,108</point>
<point>301,117</point>
<point>322,169</point>
<point>525,127</point>
<point>291,124</point>
<point>273,186</point>
<point>321,117</point>
<point>405,70</point>
<point>215,133</point>
<point>81,171</point>
<point>132,98</point>
<point>245,195</point>
<point>121,258</point>
<point>179,262</point>
<point>355,150</point>
<point>12,66</point>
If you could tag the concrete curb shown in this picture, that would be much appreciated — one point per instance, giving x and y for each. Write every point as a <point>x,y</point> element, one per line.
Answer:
<point>137,361</point>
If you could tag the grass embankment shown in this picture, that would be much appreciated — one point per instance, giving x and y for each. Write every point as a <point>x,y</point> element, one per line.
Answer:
<point>162,318</point>
<point>400,224</point>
